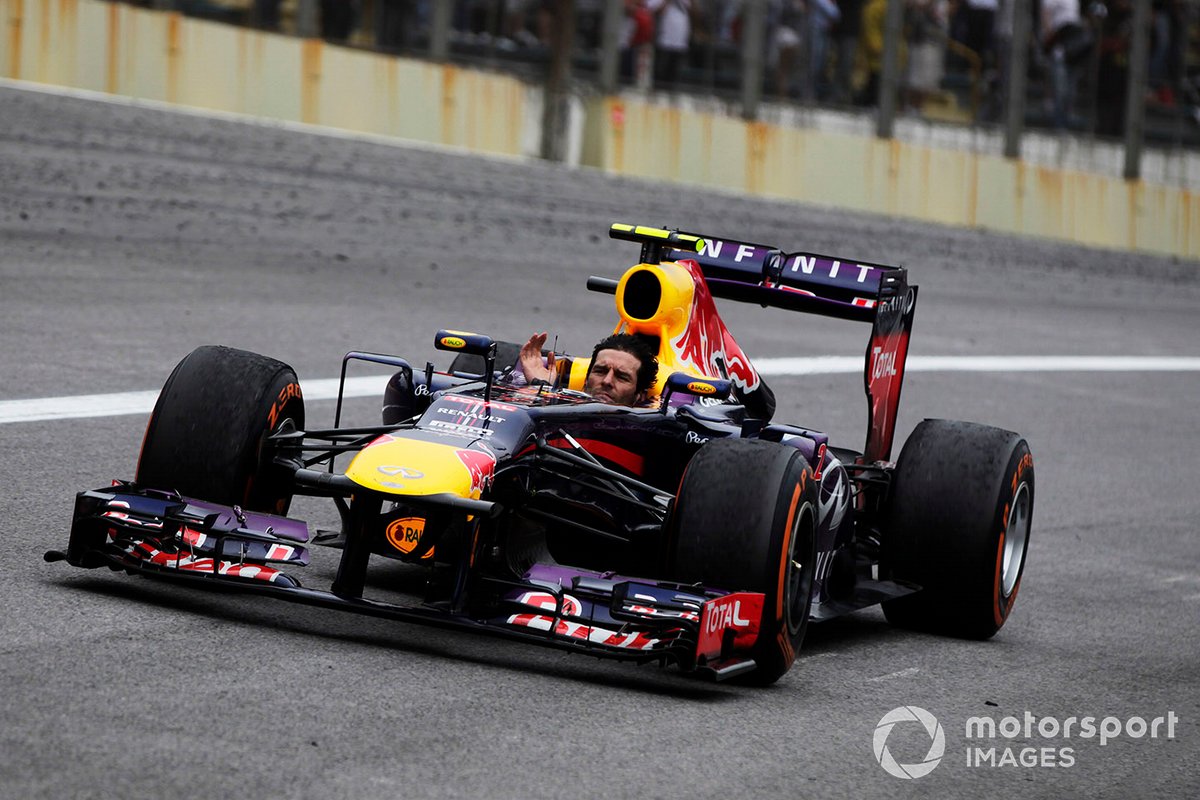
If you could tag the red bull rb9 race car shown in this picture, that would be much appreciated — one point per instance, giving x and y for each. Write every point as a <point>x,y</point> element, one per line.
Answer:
<point>692,530</point>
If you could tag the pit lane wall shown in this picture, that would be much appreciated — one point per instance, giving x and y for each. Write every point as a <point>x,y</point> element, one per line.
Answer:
<point>161,56</point>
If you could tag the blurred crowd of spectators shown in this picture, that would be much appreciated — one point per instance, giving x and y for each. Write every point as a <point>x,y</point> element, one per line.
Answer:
<point>954,54</point>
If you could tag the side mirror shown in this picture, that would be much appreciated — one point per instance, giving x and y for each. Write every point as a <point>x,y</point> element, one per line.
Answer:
<point>683,383</point>
<point>475,344</point>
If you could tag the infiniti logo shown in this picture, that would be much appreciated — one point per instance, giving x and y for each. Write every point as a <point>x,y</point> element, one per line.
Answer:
<point>403,472</point>
<point>932,758</point>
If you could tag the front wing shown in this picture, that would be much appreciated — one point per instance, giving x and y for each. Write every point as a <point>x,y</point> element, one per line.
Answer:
<point>155,533</point>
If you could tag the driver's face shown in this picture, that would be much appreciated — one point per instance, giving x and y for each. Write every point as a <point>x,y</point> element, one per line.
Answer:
<point>612,378</point>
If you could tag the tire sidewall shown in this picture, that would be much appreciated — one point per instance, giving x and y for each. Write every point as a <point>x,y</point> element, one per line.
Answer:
<point>269,487</point>
<point>785,615</point>
<point>1020,470</point>
<point>739,508</point>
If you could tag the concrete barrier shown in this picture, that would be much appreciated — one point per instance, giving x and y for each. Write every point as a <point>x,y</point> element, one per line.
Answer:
<point>167,57</point>
<point>638,135</point>
<point>162,56</point>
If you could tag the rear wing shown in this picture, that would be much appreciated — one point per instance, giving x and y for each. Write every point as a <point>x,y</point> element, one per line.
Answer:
<point>812,283</point>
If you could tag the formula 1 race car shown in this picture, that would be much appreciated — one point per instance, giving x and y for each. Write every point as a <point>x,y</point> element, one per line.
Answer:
<point>692,530</point>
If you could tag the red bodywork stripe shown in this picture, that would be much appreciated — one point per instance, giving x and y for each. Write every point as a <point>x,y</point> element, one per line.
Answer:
<point>626,459</point>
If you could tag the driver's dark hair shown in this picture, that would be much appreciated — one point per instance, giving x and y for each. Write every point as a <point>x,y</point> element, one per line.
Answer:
<point>638,346</point>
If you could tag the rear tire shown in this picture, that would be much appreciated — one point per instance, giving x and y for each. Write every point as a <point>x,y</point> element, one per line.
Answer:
<point>958,525</point>
<point>206,432</point>
<point>746,520</point>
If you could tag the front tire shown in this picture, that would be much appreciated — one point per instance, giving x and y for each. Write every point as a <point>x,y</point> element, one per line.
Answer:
<point>958,524</point>
<point>205,436</point>
<point>746,520</point>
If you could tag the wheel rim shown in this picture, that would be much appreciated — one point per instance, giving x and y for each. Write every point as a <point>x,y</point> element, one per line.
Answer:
<point>1016,537</point>
<point>798,582</point>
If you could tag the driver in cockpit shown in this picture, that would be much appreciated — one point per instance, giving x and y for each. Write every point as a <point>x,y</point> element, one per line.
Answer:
<point>622,371</point>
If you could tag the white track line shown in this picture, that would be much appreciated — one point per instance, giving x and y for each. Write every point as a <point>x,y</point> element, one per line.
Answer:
<point>123,403</point>
<point>115,405</point>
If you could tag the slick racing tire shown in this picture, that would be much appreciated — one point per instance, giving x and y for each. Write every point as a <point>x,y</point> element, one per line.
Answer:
<point>205,435</point>
<point>957,524</point>
<point>746,520</point>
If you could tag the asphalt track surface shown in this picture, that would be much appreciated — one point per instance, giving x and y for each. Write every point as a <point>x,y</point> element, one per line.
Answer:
<point>129,235</point>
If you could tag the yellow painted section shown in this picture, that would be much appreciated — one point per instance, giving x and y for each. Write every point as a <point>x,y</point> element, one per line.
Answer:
<point>668,322</point>
<point>411,467</point>
<point>863,173</point>
<point>999,207</point>
<point>669,319</point>
<point>155,55</point>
